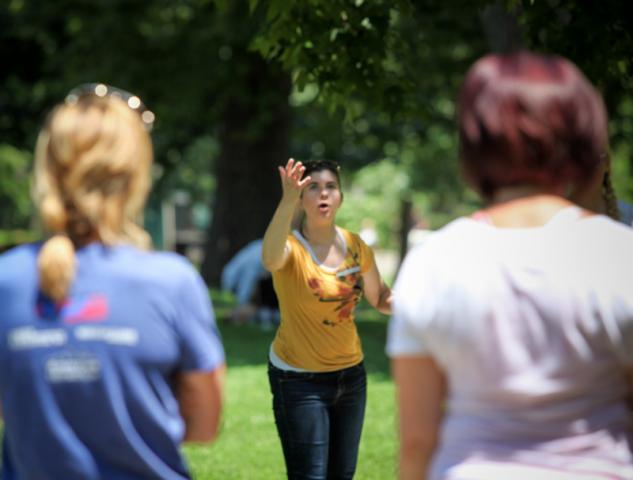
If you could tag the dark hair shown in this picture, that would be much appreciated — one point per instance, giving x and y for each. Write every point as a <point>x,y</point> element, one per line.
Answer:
<point>320,165</point>
<point>525,118</point>
<point>609,196</point>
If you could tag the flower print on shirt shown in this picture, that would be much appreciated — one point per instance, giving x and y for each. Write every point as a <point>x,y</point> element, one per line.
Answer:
<point>347,292</point>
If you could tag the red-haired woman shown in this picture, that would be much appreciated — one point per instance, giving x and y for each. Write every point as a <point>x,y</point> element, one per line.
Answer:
<point>512,334</point>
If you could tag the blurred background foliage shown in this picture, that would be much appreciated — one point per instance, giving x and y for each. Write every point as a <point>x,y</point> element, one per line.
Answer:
<point>238,86</point>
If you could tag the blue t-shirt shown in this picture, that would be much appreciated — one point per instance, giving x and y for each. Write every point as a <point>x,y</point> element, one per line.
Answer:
<point>86,386</point>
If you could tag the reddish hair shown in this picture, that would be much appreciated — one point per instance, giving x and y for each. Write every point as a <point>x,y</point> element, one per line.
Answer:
<point>528,119</point>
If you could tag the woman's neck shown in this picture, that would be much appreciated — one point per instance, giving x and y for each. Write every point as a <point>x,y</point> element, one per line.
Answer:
<point>87,239</point>
<point>319,234</point>
<point>522,192</point>
<point>523,208</point>
<point>597,204</point>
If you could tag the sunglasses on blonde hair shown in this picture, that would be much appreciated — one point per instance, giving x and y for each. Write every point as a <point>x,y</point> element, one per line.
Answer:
<point>102,90</point>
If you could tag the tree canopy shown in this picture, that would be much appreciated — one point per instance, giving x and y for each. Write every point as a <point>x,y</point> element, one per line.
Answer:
<point>238,86</point>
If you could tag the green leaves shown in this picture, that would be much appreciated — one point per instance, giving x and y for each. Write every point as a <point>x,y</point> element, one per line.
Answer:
<point>334,44</point>
<point>14,187</point>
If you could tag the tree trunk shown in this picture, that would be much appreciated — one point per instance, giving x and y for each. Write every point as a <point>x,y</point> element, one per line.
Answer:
<point>406,208</point>
<point>254,140</point>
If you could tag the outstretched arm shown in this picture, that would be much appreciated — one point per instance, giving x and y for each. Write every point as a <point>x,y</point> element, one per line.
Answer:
<point>274,248</point>
<point>421,389</point>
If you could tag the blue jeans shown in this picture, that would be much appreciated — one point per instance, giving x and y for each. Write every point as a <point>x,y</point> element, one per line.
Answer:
<point>319,419</point>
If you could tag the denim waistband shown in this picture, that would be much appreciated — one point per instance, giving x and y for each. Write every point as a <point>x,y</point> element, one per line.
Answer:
<point>358,366</point>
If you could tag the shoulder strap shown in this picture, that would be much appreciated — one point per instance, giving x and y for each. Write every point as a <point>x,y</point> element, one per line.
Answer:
<point>481,216</point>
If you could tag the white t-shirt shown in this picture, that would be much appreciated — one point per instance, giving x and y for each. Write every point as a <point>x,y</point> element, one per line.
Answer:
<point>533,329</point>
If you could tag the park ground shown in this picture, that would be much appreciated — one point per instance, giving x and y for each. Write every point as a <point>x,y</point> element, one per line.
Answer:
<point>248,447</point>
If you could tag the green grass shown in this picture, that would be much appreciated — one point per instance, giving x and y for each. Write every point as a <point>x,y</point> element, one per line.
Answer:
<point>248,446</point>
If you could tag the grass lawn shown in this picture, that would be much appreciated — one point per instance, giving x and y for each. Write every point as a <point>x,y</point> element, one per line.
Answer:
<point>248,447</point>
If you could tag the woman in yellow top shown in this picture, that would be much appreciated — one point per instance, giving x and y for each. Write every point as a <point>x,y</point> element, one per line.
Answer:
<point>316,372</point>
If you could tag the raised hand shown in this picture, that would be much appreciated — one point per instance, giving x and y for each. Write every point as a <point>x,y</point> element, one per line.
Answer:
<point>291,182</point>
<point>274,248</point>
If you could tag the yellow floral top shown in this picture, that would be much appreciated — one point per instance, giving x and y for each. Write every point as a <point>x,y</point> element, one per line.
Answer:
<point>317,330</point>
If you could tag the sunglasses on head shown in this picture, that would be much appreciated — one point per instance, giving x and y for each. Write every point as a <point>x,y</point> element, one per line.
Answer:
<point>102,90</point>
<point>322,164</point>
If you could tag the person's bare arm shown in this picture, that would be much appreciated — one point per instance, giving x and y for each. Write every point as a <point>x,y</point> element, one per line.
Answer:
<point>274,248</point>
<point>200,397</point>
<point>376,291</point>
<point>421,389</point>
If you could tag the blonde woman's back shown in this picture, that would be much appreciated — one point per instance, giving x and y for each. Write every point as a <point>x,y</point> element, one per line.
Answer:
<point>91,381</point>
<point>109,356</point>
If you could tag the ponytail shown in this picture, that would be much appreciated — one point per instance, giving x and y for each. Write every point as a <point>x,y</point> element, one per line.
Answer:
<point>57,266</point>
<point>91,179</point>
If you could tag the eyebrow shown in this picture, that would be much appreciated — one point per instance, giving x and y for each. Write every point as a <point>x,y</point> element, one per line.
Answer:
<point>315,180</point>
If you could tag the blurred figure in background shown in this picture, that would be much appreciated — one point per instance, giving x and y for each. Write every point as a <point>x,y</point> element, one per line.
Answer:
<point>109,354</point>
<point>418,232</point>
<point>368,232</point>
<point>246,278</point>
<point>512,334</point>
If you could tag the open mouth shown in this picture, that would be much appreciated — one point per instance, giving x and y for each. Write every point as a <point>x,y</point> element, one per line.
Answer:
<point>323,207</point>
